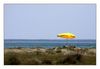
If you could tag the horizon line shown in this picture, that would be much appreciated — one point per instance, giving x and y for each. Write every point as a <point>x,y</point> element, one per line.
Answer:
<point>49,39</point>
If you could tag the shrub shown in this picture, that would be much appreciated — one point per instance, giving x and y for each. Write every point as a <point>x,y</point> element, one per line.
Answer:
<point>10,58</point>
<point>69,59</point>
<point>50,57</point>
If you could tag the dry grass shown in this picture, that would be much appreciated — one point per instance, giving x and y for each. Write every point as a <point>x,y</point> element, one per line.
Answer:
<point>60,56</point>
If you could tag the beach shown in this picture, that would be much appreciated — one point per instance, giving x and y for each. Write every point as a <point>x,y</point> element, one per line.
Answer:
<point>65,55</point>
<point>49,34</point>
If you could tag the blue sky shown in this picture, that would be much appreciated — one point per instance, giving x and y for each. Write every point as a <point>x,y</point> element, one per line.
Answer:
<point>45,21</point>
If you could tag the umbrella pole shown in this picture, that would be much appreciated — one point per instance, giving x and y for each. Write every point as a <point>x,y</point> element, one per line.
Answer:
<point>66,44</point>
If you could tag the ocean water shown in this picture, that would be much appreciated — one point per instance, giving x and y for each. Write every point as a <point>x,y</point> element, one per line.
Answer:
<point>19,43</point>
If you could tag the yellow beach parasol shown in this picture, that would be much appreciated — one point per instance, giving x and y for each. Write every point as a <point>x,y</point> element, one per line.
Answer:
<point>66,35</point>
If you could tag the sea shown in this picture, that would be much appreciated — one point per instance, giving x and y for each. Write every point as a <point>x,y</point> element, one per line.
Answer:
<point>48,43</point>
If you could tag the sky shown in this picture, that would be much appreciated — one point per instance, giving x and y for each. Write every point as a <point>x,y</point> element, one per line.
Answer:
<point>45,21</point>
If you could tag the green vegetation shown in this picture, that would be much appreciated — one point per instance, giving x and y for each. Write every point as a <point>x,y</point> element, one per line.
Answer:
<point>54,56</point>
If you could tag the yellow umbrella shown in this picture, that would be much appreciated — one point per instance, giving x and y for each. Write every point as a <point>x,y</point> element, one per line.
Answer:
<point>66,35</point>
